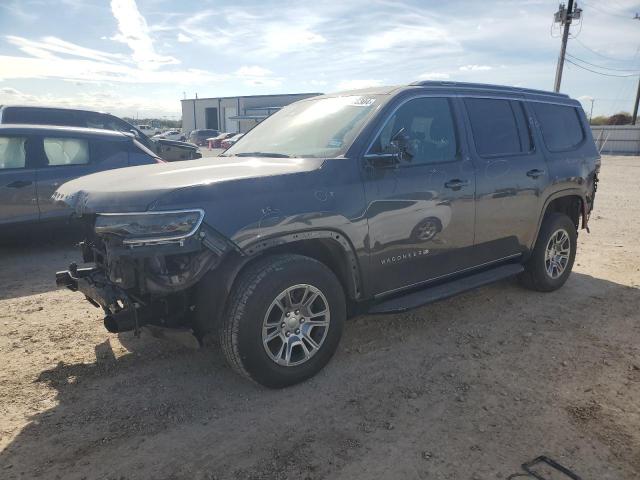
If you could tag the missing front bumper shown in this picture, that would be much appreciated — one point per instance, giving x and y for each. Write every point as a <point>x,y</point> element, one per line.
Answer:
<point>123,312</point>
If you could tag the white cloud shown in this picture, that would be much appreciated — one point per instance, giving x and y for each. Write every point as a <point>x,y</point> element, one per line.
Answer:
<point>279,39</point>
<point>182,38</point>
<point>434,76</point>
<point>357,84</point>
<point>475,68</point>
<point>53,67</point>
<point>48,46</point>
<point>253,71</point>
<point>107,101</point>
<point>256,76</point>
<point>134,32</point>
<point>433,38</point>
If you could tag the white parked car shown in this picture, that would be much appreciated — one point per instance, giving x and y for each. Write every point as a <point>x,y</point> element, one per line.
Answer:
<point>172,135</point>
<point>148,130</point>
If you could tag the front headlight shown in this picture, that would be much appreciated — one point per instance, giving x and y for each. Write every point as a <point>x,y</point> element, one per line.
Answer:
<point>149,227</point>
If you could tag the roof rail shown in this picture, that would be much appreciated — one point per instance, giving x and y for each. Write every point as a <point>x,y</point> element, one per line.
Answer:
<point>483,86</point>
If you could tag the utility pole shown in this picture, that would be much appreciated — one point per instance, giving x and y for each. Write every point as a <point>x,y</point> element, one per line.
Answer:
<point>564,16</point>
<point>635,105</point>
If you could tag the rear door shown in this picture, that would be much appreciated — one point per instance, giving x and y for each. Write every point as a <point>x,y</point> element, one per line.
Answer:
<point>18,200</point>
<point>64,157</point>
<point>512,175</point>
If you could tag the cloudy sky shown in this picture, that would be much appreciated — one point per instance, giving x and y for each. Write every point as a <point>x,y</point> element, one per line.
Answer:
<point>140,57</point>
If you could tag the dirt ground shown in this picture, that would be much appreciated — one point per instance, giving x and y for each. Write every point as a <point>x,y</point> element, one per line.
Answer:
<point>467,388</point>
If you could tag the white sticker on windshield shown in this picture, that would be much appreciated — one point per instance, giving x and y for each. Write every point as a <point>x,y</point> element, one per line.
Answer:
<point>362,101</point>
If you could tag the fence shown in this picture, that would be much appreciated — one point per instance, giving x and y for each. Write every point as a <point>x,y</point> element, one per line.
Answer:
<point>617,139</point>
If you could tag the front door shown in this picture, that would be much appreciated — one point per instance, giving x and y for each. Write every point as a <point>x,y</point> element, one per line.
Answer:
<point>512,175</point>
<point>18,202</point>
<point>420,211</point>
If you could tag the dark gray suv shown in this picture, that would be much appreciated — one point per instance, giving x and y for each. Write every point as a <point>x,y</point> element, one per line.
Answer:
<point>377,201</point>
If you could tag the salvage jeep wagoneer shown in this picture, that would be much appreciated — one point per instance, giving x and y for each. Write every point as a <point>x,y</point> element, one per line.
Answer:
<point>376,200</point>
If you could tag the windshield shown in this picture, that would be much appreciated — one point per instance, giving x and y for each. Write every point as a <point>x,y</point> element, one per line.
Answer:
<point>322,128</point>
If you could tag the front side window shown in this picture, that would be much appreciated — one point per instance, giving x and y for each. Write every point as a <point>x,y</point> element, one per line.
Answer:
<point>499,126</point>
<point>429,129</point>
<point>12,152</point>
<point>321,128</point>
<point>560,126</point>
<point>66,151</point>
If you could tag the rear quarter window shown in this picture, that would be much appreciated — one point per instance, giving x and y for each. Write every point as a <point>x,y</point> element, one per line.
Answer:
<point>560,126</point>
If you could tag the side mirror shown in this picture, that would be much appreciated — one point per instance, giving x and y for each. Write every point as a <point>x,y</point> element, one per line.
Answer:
<point>401,143</point>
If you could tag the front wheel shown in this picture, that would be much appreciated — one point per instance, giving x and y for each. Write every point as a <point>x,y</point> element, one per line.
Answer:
<point>553,255</point>
<point>284,320</point>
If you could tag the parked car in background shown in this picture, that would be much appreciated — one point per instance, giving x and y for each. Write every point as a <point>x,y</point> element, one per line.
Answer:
<point>216,142</point>
<point>377,200</point>
<point>148,130</point>
<point>171,135</point>
<point>169,150</point>
<point>199,137</point>
<point>36,160</point>
<point>231,140</point>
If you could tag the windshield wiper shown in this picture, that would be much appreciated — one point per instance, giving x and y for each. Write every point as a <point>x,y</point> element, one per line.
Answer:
<point>263,154</point>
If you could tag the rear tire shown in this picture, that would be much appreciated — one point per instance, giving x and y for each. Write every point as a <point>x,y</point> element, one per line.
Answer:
<point>269,334</point>
<point>552,258</point>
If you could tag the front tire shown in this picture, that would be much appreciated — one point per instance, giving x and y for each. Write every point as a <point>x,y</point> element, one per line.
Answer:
<point>284,320</point>
<point>552,258</point>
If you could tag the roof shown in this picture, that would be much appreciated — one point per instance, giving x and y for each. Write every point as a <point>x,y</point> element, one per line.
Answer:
<point>459,86</point>
<point>89,132</point>
<point>485,87</point>
<point>49,107</point>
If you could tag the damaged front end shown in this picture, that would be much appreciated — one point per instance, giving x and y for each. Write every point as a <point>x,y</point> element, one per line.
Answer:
<point>140,267</point>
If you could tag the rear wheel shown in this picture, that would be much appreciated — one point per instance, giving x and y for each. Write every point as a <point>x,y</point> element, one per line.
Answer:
<point>284,320</point>
<point>553,255</point>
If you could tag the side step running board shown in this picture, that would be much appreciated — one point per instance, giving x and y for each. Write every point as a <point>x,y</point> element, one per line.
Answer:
<point>445,290</point>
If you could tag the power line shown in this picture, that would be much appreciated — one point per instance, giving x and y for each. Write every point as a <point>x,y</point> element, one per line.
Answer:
<point>600,66</point>
<point>624,60</point>
<point>601,73</point>
<point>604,11</point>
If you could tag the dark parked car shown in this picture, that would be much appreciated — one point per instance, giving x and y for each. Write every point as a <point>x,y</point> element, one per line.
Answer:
<point>36,160</point>
<point>199,137</point>
<point>376,201</point>
<point>169,150</point>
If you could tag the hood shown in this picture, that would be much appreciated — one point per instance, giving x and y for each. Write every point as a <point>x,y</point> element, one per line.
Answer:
<point>133,189</point>
<point>174,143</point>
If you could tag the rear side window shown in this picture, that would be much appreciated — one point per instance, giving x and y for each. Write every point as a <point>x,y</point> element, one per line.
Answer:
<point>66,151</point>
<point>499,126</point>
<point>110,153</point>
<point>560,126</point>
<point>12,152</point>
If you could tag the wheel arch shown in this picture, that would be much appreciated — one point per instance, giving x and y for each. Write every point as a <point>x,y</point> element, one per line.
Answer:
<point>571,202</point>
<point>331,248</point>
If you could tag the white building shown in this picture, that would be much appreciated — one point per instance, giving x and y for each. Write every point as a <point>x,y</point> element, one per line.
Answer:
<point>233,114</point>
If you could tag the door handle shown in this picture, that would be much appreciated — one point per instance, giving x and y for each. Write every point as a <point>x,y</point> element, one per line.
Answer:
<point>535,173</point>
<point>456,184</point>
<point>19,184</point>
